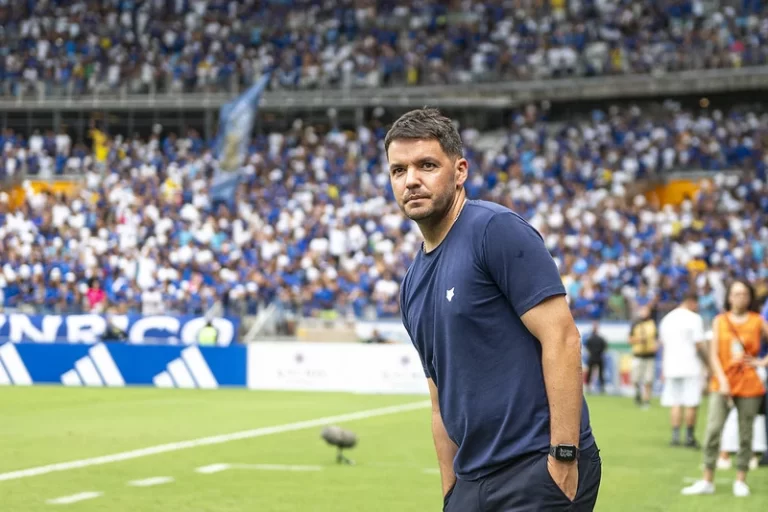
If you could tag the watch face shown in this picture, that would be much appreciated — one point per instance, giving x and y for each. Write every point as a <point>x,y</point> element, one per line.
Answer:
<point>566,453</point>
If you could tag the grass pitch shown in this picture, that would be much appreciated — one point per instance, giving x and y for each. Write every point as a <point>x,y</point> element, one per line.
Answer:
<point>294,470</point>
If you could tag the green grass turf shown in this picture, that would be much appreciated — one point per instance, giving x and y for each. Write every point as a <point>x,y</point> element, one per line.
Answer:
<point>41,426</point>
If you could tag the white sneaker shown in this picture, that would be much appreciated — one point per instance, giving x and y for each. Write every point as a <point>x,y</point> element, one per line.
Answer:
<point>740,489</point>
<point>700,487</point>
<point>724,463</point>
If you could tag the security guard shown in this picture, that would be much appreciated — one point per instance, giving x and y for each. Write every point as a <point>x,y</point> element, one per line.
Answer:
<point>208,335</point>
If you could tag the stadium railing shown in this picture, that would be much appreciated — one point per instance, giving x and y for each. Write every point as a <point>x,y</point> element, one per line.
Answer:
<point>498,94</point>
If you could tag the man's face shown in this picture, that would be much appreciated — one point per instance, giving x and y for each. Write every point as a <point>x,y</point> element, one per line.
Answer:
<point>424,179</point>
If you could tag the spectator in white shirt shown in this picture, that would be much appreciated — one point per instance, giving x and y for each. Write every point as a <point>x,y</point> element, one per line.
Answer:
<point>681,333</point>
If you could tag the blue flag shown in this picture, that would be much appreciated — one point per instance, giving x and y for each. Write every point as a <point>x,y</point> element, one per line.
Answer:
<point>235,127</point>
<point>236,124</point>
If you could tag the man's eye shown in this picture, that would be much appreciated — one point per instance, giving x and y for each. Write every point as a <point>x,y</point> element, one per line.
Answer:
<point>429,165</point>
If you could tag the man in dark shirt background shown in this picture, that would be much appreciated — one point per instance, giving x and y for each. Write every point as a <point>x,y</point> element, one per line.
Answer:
<point>596,347</point>
<point>484,305</point>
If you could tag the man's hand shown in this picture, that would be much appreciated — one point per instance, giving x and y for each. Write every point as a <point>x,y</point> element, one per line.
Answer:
<point>565,475</point>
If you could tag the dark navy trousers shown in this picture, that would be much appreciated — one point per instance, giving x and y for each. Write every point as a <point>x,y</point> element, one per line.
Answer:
<point>525,485</point>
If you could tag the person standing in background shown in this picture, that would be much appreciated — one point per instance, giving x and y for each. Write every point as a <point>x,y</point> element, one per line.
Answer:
<point>596,347</point>
<point>645,344</point>
<point>684,353</point>
<point>729,442</point>
<point>735,383</point>
<point>208,335</point>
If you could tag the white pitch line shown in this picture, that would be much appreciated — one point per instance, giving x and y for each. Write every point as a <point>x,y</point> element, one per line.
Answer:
<point>149,482</point>
<point>211,440</point>
<point>81,496</point>
<point>213,468</point>
<point>219,467</point>
<point>276,467</point>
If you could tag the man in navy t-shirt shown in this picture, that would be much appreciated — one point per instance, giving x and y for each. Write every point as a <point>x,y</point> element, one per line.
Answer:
<point>485,307</point>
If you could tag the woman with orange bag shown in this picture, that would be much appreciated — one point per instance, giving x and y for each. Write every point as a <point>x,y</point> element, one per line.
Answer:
<point>735,382</point>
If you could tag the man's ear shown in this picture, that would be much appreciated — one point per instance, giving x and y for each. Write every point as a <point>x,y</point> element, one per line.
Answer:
<point>461,168</point>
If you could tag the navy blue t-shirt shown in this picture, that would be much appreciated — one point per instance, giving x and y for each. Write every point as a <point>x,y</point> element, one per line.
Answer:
<point>461,305</point>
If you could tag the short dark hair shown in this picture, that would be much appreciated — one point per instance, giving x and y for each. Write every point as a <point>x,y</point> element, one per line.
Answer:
<point>427,124</point>
<point>752,305</point>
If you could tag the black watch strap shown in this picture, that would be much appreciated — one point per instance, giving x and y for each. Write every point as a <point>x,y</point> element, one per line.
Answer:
<point>564,452</point>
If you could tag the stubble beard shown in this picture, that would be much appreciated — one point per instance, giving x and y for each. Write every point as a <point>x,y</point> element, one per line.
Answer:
<point>434,213</point>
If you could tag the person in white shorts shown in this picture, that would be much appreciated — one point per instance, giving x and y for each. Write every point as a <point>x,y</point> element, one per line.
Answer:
<point>729,441</point>
<point>684,354</point>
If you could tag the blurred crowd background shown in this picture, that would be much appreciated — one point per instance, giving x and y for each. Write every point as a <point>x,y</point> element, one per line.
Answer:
<point>313,229</point>
<point>76,47</point>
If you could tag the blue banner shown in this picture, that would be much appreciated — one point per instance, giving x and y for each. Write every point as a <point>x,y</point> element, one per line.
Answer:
<point>135,329</point>
<point>119,365</point>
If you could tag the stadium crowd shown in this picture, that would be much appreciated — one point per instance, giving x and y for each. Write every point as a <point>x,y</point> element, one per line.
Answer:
<point>82,46</point>
<point>314,227</point>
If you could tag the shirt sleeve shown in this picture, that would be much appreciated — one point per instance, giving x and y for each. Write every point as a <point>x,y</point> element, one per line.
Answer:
<point>519,262</point>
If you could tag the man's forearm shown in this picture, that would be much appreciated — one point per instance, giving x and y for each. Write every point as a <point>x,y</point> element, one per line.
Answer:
<point>446,451</point>
<point>561,362</point>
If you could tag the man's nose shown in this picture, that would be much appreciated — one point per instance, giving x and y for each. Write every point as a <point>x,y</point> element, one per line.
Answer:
<point>412,178</point>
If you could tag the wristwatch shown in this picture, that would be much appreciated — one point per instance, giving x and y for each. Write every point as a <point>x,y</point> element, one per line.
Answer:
<point>564,452</point>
